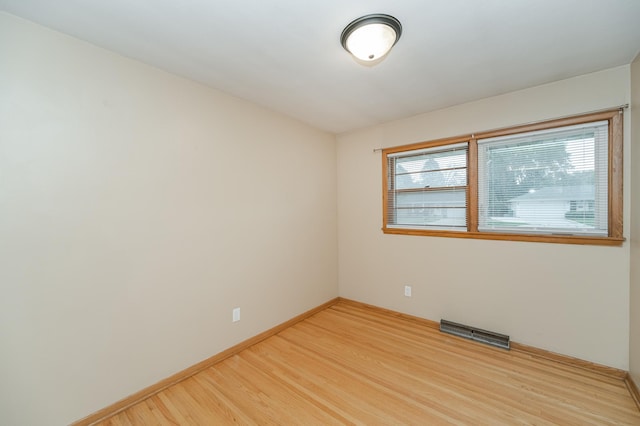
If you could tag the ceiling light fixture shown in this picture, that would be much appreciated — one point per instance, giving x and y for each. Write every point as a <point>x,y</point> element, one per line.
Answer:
<point>369,38</point>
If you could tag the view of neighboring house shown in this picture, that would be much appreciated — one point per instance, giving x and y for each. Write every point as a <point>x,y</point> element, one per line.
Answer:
<point>433,208</point>
<point>556,204</point>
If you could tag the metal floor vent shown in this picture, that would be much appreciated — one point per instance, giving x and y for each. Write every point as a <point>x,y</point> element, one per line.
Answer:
<point>483,336</point>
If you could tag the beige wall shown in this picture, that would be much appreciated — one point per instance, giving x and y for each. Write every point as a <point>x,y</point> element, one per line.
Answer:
<point>136,210</point>
<point>565,298</point>
<point>634,335</point>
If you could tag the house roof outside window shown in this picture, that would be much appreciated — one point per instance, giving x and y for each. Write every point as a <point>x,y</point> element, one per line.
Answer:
<point>559,193</point>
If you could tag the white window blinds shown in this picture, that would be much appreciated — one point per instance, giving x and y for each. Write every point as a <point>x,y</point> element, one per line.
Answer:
<point>550,181</point>
<point>427,188</point>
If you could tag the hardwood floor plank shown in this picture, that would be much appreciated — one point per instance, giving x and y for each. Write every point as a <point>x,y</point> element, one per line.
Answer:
<point>538,387</point>
<point>380,317</point>
<point>139,413</point>
<point>351,364</point>
<point>437,390</point>
<point>285,372</point>
<point>353,391</point>
<point>546,376</point>
<point>157,417</point>
<point>494,363</point>
<point>166,409</point>
<point>208,396</point>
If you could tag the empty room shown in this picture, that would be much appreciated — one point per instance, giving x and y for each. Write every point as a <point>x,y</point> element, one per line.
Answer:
<point>309,213</point>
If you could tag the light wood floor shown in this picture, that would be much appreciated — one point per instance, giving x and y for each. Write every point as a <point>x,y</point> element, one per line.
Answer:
<point>350,364</point>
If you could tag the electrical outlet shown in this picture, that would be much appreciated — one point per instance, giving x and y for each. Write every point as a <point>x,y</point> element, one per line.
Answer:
<point>236,314</point>
<point>407,290</point>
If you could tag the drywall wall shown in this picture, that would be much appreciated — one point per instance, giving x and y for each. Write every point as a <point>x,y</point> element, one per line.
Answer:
<point>634,305</point>
<point>569,299</point>
<point>136,210</point>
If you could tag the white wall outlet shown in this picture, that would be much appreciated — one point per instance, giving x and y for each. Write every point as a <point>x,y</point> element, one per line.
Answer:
<point>407,290</point>
<point>236,314</point>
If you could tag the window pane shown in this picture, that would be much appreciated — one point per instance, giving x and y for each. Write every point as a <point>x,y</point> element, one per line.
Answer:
<point>553,181</point>
<point>442,209</point>
<point>432,170</point>
<point>427,188</point>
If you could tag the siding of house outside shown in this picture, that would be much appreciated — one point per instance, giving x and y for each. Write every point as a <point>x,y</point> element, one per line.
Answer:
<point>549,206</point>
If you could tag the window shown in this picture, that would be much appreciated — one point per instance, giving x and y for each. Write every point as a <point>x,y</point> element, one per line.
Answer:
<point>429,188</point>
<point>557,181</point>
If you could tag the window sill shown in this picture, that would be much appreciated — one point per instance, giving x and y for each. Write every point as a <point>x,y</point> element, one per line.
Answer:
<point>554,239</point>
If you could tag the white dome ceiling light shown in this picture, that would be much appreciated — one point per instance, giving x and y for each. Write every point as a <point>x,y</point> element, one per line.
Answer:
<point>369,38</point>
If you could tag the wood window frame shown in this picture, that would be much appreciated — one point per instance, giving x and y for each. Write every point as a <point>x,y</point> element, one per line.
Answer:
<point>614,181</point>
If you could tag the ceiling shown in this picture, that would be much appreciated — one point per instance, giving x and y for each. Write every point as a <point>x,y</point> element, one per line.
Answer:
<point>286,54</point>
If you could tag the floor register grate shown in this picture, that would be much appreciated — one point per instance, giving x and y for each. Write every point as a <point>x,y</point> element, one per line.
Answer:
<point>472,333</point>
